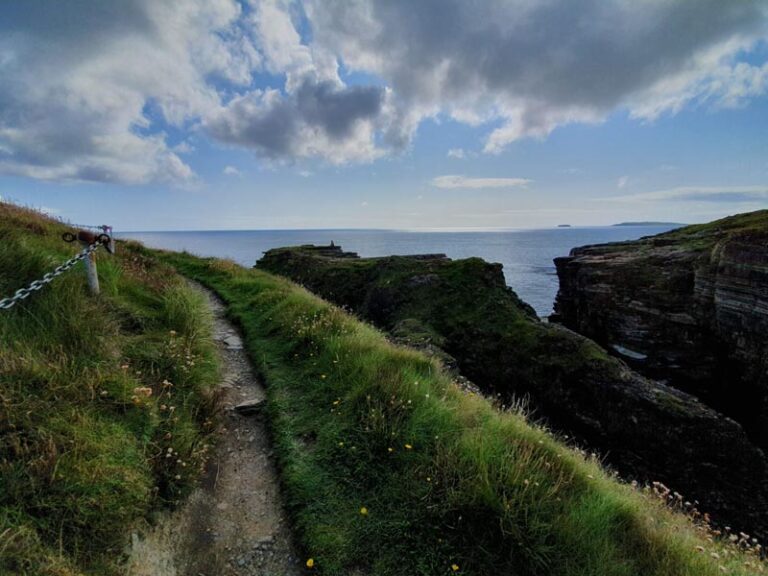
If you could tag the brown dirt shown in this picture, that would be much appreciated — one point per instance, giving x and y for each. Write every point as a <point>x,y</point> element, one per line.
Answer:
<point>233,524</point>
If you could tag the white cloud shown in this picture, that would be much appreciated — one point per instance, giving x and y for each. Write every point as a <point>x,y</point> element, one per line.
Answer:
<point>76,91</point>
<point>231,171</point>
<point>622,182</point>
<point>92,98</point>
<point>533,66</point>
<point>455,181</point>
<point>725,194</point>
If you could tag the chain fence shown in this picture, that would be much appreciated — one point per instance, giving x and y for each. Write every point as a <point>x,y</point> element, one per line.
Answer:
<point>23,293</point>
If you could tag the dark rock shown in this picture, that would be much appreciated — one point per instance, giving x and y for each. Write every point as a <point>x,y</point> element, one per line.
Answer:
<point>648,431</point>
<point>249,407</point>
<point>689,307</point>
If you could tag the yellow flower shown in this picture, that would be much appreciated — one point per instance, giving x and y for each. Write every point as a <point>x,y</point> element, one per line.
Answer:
<point>455,567</point>
<point>390,450</point>
<point>310,563</point>
<point>364,511</point>
<point>408,447</point>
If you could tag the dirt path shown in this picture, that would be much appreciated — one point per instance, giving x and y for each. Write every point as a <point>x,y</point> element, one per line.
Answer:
<point>233,524</point>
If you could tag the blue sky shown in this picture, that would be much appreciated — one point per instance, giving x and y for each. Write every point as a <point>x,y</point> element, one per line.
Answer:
<point>334,114</point>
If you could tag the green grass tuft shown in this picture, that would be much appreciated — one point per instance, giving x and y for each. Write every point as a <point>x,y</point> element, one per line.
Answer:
<point>94,391</point>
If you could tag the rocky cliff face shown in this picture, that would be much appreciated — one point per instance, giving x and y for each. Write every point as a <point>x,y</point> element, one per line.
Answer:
<point>688,307</point>
<point>647,430</point>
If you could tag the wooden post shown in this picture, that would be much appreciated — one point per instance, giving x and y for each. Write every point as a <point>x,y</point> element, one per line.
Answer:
<point>91,272</point>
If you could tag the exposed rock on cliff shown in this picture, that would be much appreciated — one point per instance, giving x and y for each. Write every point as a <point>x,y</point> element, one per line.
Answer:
<point>649,431</point>
<point>689,307</point>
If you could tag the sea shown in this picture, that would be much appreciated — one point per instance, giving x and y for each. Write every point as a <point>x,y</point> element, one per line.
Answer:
<point>525,254</point>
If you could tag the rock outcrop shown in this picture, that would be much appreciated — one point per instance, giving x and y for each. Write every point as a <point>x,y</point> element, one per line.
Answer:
<point>647,430</point>
<point>688,307</point>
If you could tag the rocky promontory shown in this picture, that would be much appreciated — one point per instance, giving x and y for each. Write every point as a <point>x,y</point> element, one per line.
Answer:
<point>687,307</point>
<point>647,430</point>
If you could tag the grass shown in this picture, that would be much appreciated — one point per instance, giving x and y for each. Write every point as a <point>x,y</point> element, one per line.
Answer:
<point>390,469</point>
<point>95,393</point>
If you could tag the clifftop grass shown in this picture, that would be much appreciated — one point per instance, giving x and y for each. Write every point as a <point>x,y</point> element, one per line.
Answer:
<point>389,469</point>
<point>104,401</point>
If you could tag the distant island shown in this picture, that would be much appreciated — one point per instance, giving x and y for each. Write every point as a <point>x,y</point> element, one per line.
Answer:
<point>650,224</point>
<point>563,225</point>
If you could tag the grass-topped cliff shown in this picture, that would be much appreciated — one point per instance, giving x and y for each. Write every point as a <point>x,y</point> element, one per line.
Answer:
<point>689,307</point>
<point>646,430</point>
<point>104,401</point>
<point>390,469</point>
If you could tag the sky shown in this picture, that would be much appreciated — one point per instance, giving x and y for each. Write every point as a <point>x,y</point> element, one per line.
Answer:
<point>428,114</point>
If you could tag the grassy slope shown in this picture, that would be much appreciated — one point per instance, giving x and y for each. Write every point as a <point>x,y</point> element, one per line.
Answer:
<point>390,469</point>
<point>83,448</point>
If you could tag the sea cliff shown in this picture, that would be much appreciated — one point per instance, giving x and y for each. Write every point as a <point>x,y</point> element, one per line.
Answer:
<point>648,430</point>
<point>688,307</point>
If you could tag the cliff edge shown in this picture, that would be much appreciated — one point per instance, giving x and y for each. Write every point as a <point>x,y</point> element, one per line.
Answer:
<point>687,307</point>
<point>647,430</point>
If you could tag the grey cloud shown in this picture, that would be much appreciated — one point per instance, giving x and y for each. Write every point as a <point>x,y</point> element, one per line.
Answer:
<point>537,64</point>
<point>313,120</point>
<point>337,109</point>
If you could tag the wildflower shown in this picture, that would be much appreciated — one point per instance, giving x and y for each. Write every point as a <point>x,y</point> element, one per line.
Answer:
<point>390,450</point>
<point>178,477</point>
<point>172,332</point>
<point>364,511</point>
<point>408,447</point>
<point>104,393</point>
<point>341,444</point>
<point>310,563</point>
<point>322,376</point>
<point>455,567</point>
<point>336,402</point>
<point>143,391</point>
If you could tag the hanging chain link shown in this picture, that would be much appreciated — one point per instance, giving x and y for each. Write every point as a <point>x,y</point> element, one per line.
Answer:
<point>23,293</point>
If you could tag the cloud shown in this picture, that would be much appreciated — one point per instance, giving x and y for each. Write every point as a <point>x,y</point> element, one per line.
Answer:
<point>318,119</point>
<point>92,91</point>
<point>715,194</point>
<point>83,84</point>
<point>531,66</point>
<point>622,182</point>
<point>231,171</point>
<point>454,181</point>
<point>456,153</point>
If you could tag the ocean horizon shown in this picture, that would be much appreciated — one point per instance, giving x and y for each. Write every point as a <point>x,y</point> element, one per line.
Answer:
<point>526,254</point>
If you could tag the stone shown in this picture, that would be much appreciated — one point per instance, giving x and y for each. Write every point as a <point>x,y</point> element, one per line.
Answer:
<point>249,407</point>
<point>233,342</point>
